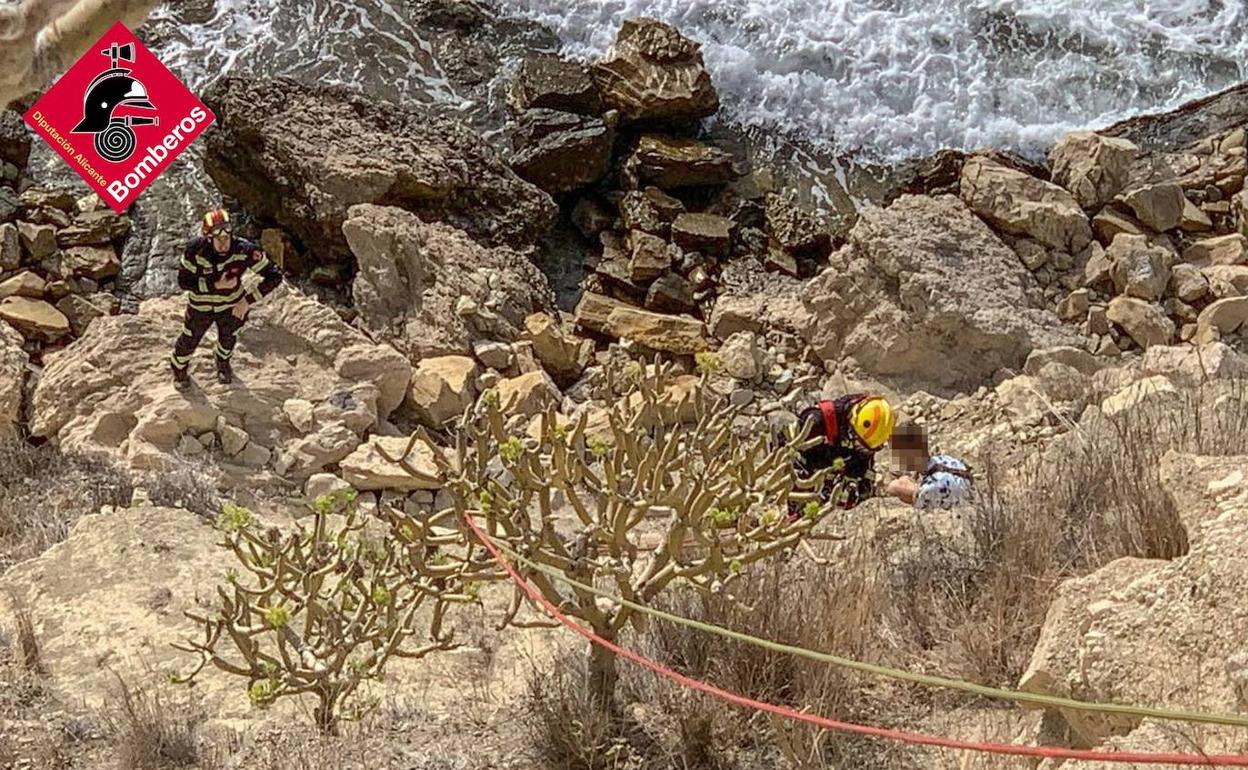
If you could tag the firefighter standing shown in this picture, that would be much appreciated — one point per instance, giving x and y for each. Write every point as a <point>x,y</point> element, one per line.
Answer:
<point>224,276</point>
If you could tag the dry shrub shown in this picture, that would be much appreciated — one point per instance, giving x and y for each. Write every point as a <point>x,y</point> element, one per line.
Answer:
<point>150,732</point>
<point>185,484</point>
<point>43,492</point>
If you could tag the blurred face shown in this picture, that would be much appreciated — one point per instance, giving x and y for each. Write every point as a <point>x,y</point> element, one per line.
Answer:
<point>910,460</point>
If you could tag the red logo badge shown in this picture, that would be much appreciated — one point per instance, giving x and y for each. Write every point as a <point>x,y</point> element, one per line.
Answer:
<point>119,117</point>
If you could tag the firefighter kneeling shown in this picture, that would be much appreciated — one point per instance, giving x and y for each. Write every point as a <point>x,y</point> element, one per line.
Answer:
<point>225,276</point>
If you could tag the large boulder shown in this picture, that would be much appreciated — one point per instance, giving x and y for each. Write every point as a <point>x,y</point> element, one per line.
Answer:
<point>924,293</point>
<point>1162,632</point>
<point>1229,249</point>
<point>13,362</point>
<point>1160,206</point>
<point>548,81</point>
<point>110,393</point>
<point>1222,318</point>
<point>1021,204</point>
<point>652,72</point>
<point>1092,167</point>
<point>1140,268</point>
<point>368,467</point>
<point>668,333</point>
<point>442,388</point>
<point>561,151</point>
<point>302,156</point>
<point>1194,365</point>
<point>563,355</point>
<point>34,318</point>
<point>671,162</point>
<point>1145,322</point>
<point>431,290</point>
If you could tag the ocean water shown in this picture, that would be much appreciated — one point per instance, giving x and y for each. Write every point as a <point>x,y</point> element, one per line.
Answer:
<point>894,79</point>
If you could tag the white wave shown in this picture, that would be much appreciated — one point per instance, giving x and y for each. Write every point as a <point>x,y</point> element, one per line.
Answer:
<point>898,78</point>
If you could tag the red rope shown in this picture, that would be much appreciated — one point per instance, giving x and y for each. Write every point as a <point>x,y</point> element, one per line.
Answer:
<point>1044,752</point>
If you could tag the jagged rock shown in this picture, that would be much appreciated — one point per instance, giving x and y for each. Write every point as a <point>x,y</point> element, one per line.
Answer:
<point>781,261</point>
<point>1075,306</point>
<point>528,394</point>
<point>1098,269</point>
<point>321,484</point>
<point>24,284</point>
<point>671,162</point>
<point>734,314</point>
<point>1188,283</point>
<point>1220,319</point>
<point>1109,222</point>
<point>1215,360</point>
<point>1222,250</point>
<point>94,262</point>
<point>1023,205</point>
<point>81,311</point>
<point>10,205</point>
<point>38,198</point>
<point>94,228</point>
<point>667,333</point>
<point>13,362</point>
<point>1033,255</point>
<point>442,388</point>
<point>300,413</point>
<point>563,355</point>
<point>1093,168</point>
<point>495,355</point>
<point>10,247</point>
<point>552,82</point>
<point>338,148</point>
<point>1226,280</point>
<point>924,293</point>
<point>38,240</point>
<point>591,217</point>
<point>671,294</point>
<point>651,256</point>
<point>1075,358</point>
<point>560,151</point>
<point>34,318</point>
<point>1160,206</point>
<point>796,230</point>
<point>743,358</point>
<point>412,275</point>
<point>1184,610</point>
<point>652,72</point>
<point>1194,220</point>
<point>650,210</point>
<point>705,233</point>
<point>1239,210</point>
<point>14,139</point>
<point>110,394</point>
<point>233,439</point>
<point>368,469</point>
<point>1145,322</point>
<point>1140,269</point>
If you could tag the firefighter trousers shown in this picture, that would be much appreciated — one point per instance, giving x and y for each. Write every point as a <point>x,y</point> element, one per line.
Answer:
<point>193,330</point>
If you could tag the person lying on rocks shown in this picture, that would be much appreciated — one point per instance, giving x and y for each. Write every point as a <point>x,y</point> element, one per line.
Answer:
<point>224,276</point>
<point>931,481</point>
<point>853,427</point>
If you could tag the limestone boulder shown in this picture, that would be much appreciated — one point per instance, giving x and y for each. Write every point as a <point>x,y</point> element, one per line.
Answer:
<point>1092,167</point>
<point>1184,614</point>
<point>529,394</point>
<point>1226,280</point>
<point>34,318</point>
<point>562,354</point>
<point>1160,206</point>
<point>431,290</point>
<point>25,284</point>
<point>1020,204</point>
<point>442,388</point>
<point>1221,319</point>
<point>1193,365</point>
<point>1140,268</point>
<point>653,72</point>
<point>668,333</point>
<point>560,151</point>
<point>338,148</point>
<point>704,233</point>
<point>367,468</point>
<point>94,262</point>
<point>1229,249</point>
<point>110,394</point>
<point>1188,283</point>
<point>671,162</point>
<point>1145,322</point>
<point>926,295</point>
<point>743,357</point>
<point>547,81</point>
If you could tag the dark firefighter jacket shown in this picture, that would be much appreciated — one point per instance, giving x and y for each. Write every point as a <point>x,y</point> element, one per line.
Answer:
<point>202,266</point>
<point>857,473</point>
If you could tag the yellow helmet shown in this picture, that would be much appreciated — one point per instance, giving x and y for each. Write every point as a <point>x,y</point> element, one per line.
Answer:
<point>873,421</point>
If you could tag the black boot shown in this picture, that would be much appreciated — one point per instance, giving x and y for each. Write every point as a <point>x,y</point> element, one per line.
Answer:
<point>181,377</point>
<point>225,375</point>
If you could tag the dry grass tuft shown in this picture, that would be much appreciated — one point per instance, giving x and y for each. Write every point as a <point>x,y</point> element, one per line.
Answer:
<point>151,733</point>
